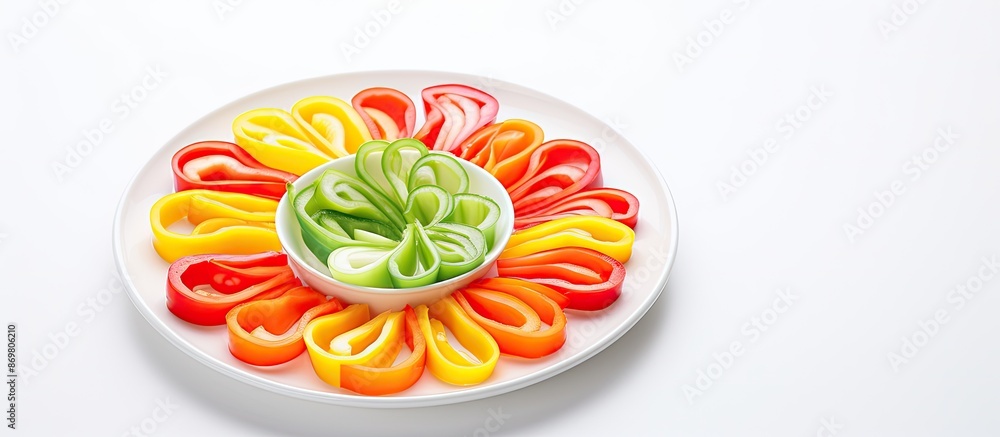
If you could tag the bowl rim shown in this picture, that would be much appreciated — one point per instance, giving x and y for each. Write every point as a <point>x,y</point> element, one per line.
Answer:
<point>294,231</point>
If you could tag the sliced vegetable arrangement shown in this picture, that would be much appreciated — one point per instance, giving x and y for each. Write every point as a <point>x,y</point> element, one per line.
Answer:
<point>407,216</point>
<point>395,225</point>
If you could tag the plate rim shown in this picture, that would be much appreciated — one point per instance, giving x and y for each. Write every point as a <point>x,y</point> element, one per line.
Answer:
<point>436,399</point>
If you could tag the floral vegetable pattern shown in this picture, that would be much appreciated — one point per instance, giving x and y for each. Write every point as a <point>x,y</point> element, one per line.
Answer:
<point>407,219</point>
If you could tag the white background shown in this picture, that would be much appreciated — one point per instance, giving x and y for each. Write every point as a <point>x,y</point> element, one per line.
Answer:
<point>822,367</point>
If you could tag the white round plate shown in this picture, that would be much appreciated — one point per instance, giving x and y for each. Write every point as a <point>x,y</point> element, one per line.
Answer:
<point>588,333</point>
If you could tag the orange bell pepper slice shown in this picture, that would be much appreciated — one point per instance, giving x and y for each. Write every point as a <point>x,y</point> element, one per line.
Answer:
<point>512,311</point>
<point>351,351</point>
<point>269,332</point>
<point>503,149</point>
<point>518,287</point>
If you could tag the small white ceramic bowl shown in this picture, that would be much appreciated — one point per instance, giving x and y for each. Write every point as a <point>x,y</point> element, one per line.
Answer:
<point>314,272</point>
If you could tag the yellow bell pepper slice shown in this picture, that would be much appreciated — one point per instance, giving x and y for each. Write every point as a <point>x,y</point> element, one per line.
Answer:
<point>443,360</point>
<point>378,341</point>
<point>604,235</point>
<point>349,351</point>
<point>225,223</point>
<point>273,137</point>
<point>332,124</point>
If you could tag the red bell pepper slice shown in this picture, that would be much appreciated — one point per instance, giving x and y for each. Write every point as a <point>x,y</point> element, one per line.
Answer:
<point>590,279</point>
<point>503,149</point>
<point>453,113</point>
<point>610,203</point>
<point>556,170</point>
<point>201,289</point>
<point>269,332</point>
<point>222,166</point>
<point>388,113</point>
<point>513,310</point>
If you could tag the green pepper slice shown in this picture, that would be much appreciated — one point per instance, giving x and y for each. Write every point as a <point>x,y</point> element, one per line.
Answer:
<point>478,211</point>
<point>398,161</point>
<point>462,248</point>
<point>364,266</point>
<point>428,205</point>
<point>439,169</point>
<point>340,192</point>
<point>323,234</point>
<point>415,262</point>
